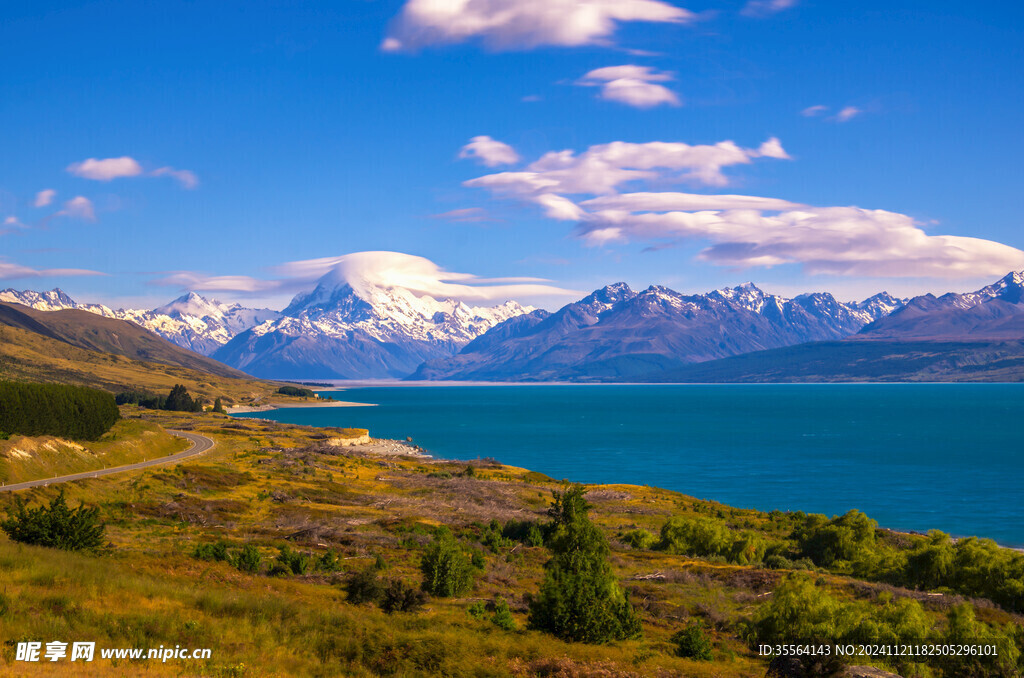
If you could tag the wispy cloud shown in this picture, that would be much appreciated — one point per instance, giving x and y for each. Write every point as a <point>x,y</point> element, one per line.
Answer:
<point>44,197</point>
<point>466,215</point>
<point>763,8</point>
<point>78,207</point>
<point>10,271</point>
<point>632,85</point>
<point>743,231</point>
<point>186,178</point>
<point>489,152</point>
<point>814,111</point>
<point>848,113</point>
<point>522,24</point>
<point>106,169</point>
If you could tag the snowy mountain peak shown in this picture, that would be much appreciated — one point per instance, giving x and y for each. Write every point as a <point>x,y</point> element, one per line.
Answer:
<point>193,304</point>
<point>343,304</point>
<point>1010,288</point>
<point>54,300</point>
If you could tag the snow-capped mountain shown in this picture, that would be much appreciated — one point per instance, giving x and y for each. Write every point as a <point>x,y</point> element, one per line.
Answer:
<point>616,333</point>
<point>351,329</point>
<point>191,321</point>
<point>993,312</point>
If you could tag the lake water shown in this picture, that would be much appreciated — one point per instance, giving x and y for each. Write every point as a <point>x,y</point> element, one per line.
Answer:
<point>912,456</point>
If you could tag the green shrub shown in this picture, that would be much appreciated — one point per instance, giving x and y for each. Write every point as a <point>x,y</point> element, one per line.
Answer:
<point>579,599</point>
<point>55,526</point>
<point>447,571</point>
<point>364,587</point>
<point>502,617</point>
<point>477,611</point>
<point>328,562</point>
<point>292,561</point>
<point>216,551</point>
<point>640,539</point>
<point>248,559</point>
<point>843,538</point>
<point>400,597</point>
<point>690,642</point>
<point>696,537</point>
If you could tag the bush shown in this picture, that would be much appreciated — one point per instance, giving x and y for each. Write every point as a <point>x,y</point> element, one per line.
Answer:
<point>400,597</point>
<point>248,559</point>
<point>447,571</point>
<point>579,599</point>
<point>217,551</point>
<point>845,538</point>
<point>696,537</point>
<point>640,539</point>
<point>503,618</point>
<point>74,412</point>
<point>691,642</point>
<point>477,611</point>
<point>55,526</point>
<point>364,587</point>
<point>292,561</point>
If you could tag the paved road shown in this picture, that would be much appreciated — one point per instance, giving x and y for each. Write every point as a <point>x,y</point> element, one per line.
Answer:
<point>200,444</point>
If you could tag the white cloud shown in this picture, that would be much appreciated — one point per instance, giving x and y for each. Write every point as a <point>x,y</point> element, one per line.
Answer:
<point>602,169</point>
<point>773,149</point>
<point>632,85</point>
<point>78,207</point>
<point>848,113</point>
<point>760,8</point>
<point>522,24</point>
<point>363,270</point>
<point>44,197</point>
<point>813,111</point>
<point>742,230</point>
<point>186,178</point>
<point>489,152</point>
<point>106,169</point>
<point>10,271</point>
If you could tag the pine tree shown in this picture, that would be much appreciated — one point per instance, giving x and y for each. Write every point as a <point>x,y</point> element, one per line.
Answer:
<point>579,599</point>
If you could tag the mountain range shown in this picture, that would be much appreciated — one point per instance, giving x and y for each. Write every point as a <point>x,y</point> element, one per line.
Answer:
<point>190,321</point>
<point>617,333</point>
<point>350,329</point>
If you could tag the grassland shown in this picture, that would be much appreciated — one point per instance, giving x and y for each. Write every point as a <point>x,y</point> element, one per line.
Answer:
<point>273,485</point>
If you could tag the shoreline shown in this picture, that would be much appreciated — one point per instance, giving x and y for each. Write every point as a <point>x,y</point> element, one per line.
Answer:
<point>246,409</point>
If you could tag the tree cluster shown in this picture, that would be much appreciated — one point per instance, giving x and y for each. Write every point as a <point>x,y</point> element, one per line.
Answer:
<point>178,400</point>
<point>74,412</point>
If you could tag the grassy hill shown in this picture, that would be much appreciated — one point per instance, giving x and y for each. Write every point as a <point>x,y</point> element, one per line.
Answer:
<point>26,355</point>
<point>108,335</point>
<point>129,441</point>
<point>861,360</point>
<point>268,485</point>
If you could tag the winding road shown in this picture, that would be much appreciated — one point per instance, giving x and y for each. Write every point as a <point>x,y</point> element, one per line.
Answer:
<point>200,444</point>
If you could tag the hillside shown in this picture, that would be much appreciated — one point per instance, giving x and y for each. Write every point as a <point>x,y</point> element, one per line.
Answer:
<point>856,360</point>
<point>317,515</point>
<point>26,355</point>
<point>95,333</point>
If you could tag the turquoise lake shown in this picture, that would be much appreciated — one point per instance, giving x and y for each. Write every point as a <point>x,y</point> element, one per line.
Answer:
<point>912,456</point>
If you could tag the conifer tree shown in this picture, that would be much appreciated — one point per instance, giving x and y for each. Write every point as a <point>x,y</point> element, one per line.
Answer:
<point>579,599</point>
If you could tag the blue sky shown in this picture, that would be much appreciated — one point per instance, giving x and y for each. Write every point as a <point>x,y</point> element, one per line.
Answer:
<point>231,140</point>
